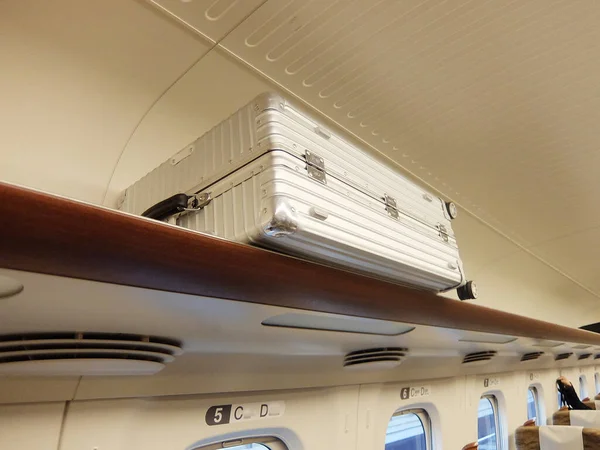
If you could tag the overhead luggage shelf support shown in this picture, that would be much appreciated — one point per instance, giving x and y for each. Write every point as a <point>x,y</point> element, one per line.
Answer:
<point>52,235</point>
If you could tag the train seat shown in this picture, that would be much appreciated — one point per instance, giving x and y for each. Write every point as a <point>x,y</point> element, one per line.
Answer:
<point>580,418</point>
<point>556,438</point>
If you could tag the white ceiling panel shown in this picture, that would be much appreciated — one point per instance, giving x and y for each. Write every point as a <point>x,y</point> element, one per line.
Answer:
<point>211,18</point>
<point>493,103</point>
<point>76,78</point>
<point>577,254</point>
<point>480,246</point>
<point>519,283</point>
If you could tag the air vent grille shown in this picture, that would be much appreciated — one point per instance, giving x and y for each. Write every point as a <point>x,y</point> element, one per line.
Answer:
<point>88,336</point>
<point>584,356</point>
<point>531,356</point>
<point>381,357</point>
<point>562,356</point>
<point>479,357</point>
<point>79,351</point>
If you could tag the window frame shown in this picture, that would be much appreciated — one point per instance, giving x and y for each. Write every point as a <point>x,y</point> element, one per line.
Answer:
<point>536,403</point>
<point>423,416</point>
<point>497,422</point>
<point>583,390</point>
<point>270,442</point>
<point>597,383</point>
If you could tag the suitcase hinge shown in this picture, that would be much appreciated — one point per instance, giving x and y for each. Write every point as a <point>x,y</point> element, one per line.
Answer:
<point>391,206</point>
<point>315,167</point>
<point>443,232</point>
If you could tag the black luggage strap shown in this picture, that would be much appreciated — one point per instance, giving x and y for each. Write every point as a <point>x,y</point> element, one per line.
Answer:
<point>168,207</point>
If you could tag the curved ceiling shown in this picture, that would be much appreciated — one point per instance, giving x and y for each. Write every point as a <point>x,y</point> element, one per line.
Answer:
<point>492,103</point>
<point>76,79</point>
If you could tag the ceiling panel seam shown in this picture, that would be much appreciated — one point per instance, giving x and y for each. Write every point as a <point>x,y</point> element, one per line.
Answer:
<point>411,173</point>
<point>63,422</point>
<point>139,123</point>
<point>182,22</point>
<point>153,104</point>
<point>565,236</point>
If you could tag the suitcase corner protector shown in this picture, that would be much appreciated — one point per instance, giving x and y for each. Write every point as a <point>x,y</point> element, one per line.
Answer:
<point>282,222</point>
<point>268,100</point>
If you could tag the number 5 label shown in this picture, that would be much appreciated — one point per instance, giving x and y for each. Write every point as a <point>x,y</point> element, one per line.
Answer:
<point>218,415</point>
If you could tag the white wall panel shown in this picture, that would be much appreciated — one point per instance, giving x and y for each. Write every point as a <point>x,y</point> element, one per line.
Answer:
<point>211,91</point>
<point>31,426</point>
<point>77,76</point>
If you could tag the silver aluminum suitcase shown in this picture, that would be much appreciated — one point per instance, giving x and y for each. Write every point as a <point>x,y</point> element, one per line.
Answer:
<point>272,176</point>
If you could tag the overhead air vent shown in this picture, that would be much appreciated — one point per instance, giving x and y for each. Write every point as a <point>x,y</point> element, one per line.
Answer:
<point>376,358</point>
<point>584,356</point>
<point>76,353</point>
<point>479,358</point>
<point>563,356</point>
<point>531,356</point>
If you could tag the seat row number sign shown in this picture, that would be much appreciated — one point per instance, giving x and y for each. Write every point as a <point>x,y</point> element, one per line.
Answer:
<point>415,392</point>
<point>224,414</point>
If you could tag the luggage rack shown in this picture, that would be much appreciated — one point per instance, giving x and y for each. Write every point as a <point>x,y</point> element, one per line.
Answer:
<point>63,237</point>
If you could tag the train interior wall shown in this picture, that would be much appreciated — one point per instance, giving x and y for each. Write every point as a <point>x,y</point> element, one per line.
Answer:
<point>322,418</point>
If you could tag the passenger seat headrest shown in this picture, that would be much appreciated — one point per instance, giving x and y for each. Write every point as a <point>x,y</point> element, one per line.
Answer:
<point>557,438</point>
<point>549,438</point>
<point>585,418</point>
<point>561,417</point>
<point>580,418</point>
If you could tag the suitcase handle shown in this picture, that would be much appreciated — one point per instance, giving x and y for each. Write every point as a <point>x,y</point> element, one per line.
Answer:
<point>167,207</point>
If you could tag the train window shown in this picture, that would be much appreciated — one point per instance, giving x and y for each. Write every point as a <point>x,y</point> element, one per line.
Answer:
<point>408,430</point>
<point>533,405</point>
<point>597,382</point>
<point>488,424</point>
<point>559,400</point>
<point>264,443</point>
<point>582,387</point>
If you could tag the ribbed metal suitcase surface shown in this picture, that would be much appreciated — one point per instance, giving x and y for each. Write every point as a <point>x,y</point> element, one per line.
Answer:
<point>271,204</point>
<point>270,165</point>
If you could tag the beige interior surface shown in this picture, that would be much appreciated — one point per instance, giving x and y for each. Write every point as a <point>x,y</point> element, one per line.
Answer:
<point>213,19</point>
<point>77,77</point>
<point>348,417</point>
<point>211,90</point>
<point>29,426</point>
<point>490,103</point>
<point>222,339</point>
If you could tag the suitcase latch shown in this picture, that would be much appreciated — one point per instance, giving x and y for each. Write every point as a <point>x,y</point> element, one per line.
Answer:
<point>315,167</point>
<point>391,206</point>
<point>443,232</point>
<point>199,201</point>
